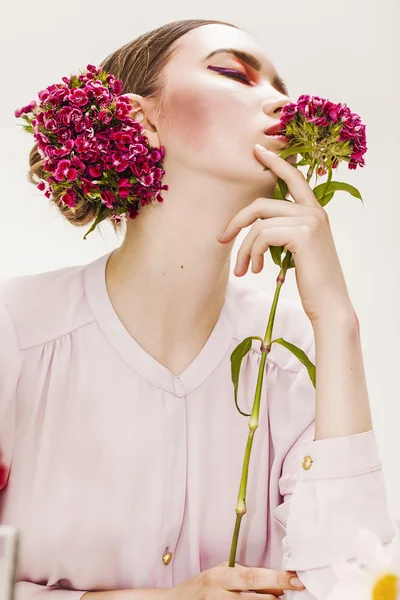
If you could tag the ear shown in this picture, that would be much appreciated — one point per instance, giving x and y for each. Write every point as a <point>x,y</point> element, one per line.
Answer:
<point>137,104</point>
<point>141,104</point>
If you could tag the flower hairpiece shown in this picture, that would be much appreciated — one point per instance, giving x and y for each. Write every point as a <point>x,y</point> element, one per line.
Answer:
<point>92,150</point>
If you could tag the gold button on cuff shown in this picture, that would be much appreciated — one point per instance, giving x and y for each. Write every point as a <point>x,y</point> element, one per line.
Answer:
<point>167,558</point>
<point>307,462</point>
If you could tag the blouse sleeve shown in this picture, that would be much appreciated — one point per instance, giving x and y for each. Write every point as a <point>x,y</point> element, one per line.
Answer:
<point>331,488</point>
<point>10,366</point>
<point>26,590</point>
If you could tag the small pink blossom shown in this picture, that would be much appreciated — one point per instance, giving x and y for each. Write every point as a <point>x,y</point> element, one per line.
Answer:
<point>124,187</point>
<point>78,96</point>
<point>65,171</point>
<point>69,198</point>
<point>108,198</point>
<point>63,134</point>
<point>65,149</point>
<point>105,117</point>
<point>51,124</point>
<point>26,109</point>
<point>95,171</point>
<point>87,185</point>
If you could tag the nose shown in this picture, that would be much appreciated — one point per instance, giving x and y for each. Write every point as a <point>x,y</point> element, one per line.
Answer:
<point>279,104</point>
<point>274,106</point>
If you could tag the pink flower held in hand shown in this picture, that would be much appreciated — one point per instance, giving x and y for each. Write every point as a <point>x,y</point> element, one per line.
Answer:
<point>331,132</point>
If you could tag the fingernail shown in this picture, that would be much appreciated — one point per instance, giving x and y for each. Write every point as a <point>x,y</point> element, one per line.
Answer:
<point>261,149</point>
<point>295,582</point>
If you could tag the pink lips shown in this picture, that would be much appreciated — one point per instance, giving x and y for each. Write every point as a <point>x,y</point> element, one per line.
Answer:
<point>280,138</point>
<point>275,129</point>
<point>274,132</point>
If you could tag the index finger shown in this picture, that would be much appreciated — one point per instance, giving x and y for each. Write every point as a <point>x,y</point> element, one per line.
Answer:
<point>257,579</point>
<point>297,184</point>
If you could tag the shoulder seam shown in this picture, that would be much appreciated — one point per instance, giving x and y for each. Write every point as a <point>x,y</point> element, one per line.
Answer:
<point>59,336</point>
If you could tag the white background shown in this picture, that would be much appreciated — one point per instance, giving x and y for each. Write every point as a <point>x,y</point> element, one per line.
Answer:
<point>343,50</point>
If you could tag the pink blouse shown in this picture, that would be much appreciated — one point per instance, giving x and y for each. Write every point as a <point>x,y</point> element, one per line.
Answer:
<point>115,465</point>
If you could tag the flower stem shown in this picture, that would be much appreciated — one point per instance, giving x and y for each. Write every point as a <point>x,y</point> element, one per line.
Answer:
<point>241,508</point>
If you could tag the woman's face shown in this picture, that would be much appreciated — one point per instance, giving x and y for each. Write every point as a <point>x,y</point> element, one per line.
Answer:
<point>218,107</point>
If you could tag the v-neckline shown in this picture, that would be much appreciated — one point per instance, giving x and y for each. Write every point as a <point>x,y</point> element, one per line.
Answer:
<point>135,356</point>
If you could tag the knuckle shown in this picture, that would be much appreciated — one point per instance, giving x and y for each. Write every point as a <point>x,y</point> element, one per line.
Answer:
<point>321,216</point>
<point>251,578</point>
<point>258,205</point>
<point>283,579</point>
<point>306,231</point>
<point>316,223</point>
<point>209,577</point>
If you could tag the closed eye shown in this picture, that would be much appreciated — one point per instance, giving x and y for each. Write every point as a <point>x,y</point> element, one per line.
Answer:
<point>231,73</point>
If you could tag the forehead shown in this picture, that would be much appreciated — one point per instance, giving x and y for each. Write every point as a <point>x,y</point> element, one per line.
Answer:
<point>198,43</point>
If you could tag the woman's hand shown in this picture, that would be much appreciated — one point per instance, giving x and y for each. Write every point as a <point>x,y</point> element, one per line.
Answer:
<point>303,228</point>
<point>224,582</point>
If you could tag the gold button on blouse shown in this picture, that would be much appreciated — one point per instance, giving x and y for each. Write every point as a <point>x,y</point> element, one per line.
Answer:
<point>167,557</point>
<point>307,462</point>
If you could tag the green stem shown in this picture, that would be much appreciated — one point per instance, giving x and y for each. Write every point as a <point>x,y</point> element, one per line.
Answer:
<point>253,422</point>
<point>327,184</point>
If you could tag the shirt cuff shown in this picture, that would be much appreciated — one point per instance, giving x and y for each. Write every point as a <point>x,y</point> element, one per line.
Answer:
<point>338,457</point>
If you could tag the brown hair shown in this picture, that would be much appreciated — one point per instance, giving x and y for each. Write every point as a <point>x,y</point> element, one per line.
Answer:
<point>138,64</point>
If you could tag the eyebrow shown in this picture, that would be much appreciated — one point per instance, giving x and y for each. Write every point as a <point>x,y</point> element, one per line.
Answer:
<point>252,61</point>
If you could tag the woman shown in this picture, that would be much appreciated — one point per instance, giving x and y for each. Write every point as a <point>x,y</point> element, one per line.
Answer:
<point>118,422</point>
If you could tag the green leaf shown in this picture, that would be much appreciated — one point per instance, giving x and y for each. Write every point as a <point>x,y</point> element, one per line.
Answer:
<point>327,199</point>
<point>277,193</point>
<point>283,187</point>
<point>236,360</point>
<point>100,216</point>
<point>301,163</point>
<point>301,355</point>
<point>276,253</point>
<point>29,128</point>
<point>294,150</point>
<point>335,186</point>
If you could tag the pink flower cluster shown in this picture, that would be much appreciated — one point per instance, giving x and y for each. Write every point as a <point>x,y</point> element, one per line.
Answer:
<point>93,149</point>
<point>324,113</point>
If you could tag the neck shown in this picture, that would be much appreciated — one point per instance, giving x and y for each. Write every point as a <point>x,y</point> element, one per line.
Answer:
<point>170,270</point>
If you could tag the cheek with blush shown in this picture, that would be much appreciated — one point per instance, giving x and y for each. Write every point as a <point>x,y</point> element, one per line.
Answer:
<point>194,119</point>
